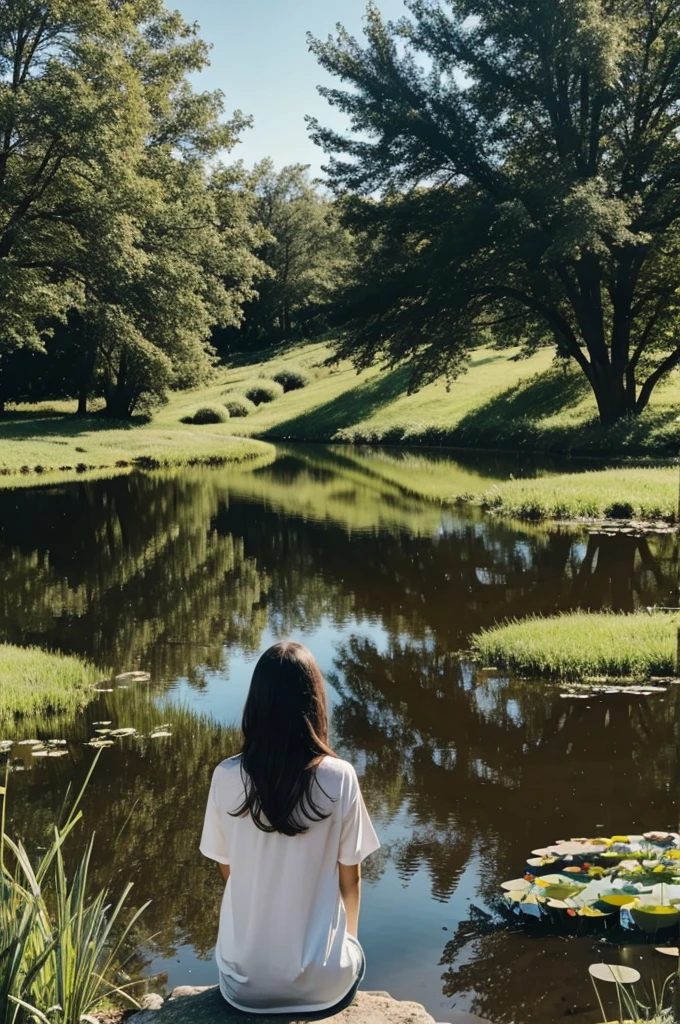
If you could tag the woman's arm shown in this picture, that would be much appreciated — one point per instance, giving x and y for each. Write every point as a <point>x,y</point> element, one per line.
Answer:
<point>350,890</point>
<point>225,871</point>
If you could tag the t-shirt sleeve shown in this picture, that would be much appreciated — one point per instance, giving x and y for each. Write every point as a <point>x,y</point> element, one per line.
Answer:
<point>213,840</point>
<point>357,837</point>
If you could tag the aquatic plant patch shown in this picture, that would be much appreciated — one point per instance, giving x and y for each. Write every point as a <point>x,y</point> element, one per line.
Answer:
<point>33,680</point>
<point>584,645</point>
<point>649,494</point>
<point>629,880</point>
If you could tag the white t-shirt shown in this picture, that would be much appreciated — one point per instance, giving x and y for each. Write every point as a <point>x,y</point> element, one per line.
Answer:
<point>283,943</point>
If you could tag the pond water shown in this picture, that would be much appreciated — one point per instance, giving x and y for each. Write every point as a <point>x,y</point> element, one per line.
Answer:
<point>191,574</point>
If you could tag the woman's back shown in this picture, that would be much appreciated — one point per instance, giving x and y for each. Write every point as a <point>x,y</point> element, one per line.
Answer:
<point>283,941</point>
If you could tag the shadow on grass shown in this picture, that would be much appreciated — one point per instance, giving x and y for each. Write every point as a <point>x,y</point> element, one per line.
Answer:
<point>27,425</point>
<point>515,418</point>
<point>349,408</point>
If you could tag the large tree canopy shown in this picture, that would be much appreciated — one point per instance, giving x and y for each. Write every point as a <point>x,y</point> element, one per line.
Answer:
<point>526,159</point>
<point>109,219</point>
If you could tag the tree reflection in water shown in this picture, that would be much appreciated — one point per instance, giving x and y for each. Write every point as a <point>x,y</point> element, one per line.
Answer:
<point>465,770</point>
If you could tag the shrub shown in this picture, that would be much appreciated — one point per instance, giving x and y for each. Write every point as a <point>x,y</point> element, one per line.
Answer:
<point>237,405</point>
<point>264,391</point>
<point>291,380</point>
<point>208,414</point>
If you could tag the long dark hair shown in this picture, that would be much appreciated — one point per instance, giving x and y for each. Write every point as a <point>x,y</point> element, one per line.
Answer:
<point>285,736</point>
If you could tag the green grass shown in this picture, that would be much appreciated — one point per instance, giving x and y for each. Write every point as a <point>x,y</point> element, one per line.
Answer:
<point>501,403</point>
<point>44,445</point>
<point>583,645</point>
<point>649,494</point>
<point>33,681</point>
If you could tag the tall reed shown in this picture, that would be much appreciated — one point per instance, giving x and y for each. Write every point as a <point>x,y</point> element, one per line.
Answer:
<point>60,946</point>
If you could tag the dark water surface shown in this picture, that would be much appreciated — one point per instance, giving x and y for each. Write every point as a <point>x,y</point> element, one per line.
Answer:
<point>190,575</point>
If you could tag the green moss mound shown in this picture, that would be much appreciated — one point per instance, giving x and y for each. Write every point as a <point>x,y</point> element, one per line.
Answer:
<point>291,380</point>
<point>263,392</point>
<point>33,680</point>
<point>237,406</point>
<point>208,414</point>
<point>584,645</point>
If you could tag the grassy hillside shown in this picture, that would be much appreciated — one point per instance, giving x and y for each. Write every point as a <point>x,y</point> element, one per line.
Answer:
<point>501,402</point>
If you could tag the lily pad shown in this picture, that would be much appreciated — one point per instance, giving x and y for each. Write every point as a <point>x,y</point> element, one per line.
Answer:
<point>614,973</point>
<point>129,731</point>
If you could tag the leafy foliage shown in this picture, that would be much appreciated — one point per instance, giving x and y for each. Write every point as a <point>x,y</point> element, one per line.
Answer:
<point>60,944</point>
<point>238,406</point>
<point>111,223</point>
<point>304,247</point>
<point>208,414</point>
<point>291,380</point>
<point>526,161</point>
<point>263,391</point>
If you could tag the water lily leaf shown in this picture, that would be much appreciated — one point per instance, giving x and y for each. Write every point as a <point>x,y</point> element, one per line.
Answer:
<point>614,973</point>
<point>57,753</point>
<point>102,732</point>
<point>98,743</point>
<point>39,753</point>
<point>159,735</point>
<point>29,743</point>
<point>133,677</point>
<point>516,896</point>
<point>516,885</point>
<point>102,723</point>
<point>653,918</point>
<point>123,732</point>
<point>57,743</point>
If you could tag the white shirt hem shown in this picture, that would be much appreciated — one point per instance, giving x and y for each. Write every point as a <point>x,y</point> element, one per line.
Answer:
<point>307,1008</point>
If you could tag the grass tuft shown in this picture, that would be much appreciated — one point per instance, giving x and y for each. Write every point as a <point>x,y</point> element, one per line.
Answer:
<point>238,406</point>
<point>584,645</point>
<point>263,392</point>
<point>291,379</point>
<point>33,680</point>
<point>208,414</point>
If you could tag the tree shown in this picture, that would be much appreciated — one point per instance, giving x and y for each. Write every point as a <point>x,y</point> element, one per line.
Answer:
<point>108,224</point>
<point>66,101</point>
<point>303,245</point>
<point>528,161</point>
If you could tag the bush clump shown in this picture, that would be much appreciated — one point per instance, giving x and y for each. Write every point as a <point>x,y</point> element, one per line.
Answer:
<point>264,391</point>
<point>237,405</point>
<point>291,380</point>
<point>208,414</point>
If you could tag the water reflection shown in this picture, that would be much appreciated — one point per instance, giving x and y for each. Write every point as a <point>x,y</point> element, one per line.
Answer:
<point>189,574</point>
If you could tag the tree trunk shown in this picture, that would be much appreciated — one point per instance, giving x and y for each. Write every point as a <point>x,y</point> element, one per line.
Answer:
<point>116,392</point>
<point>614,399</point>
<point>82,401</point>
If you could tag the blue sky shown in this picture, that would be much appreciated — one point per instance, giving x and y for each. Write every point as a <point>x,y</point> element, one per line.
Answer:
<point>260,62</point>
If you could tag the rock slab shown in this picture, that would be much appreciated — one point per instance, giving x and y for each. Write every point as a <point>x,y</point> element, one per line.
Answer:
<point>206,1006</point>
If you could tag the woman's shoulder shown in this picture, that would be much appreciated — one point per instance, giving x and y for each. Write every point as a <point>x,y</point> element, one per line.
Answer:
<point>227,769</point>
<point>334,768</point>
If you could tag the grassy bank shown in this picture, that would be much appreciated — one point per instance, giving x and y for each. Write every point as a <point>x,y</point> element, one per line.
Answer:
<point>581,645</point>
<point>649,494</point>
<point>501,403</point>
<point>51,444</point>
<point>33,681</point>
